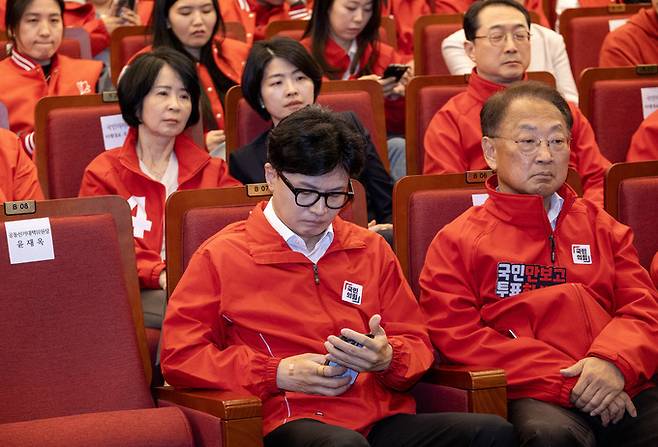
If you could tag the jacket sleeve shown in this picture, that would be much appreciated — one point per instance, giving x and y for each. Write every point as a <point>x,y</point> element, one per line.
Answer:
<point>98,35</point>
<point>454,54</point>
<point>26,182</point>
<point>449,299</point>
<point>404,325</point>
<point>377,182</point>
<point>590,163</point>
<point>643,144</point>
<point>224,177</point>
<point>616,51</point>
<point>630,339</point>
<point>442,144</point>
<point>194,351</point>
<point>149,262</point>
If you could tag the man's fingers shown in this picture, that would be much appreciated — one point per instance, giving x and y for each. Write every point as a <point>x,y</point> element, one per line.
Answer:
<point>599,401</point>
<point>573,370</point>
<point>630,406</point>
<point>605,417</point>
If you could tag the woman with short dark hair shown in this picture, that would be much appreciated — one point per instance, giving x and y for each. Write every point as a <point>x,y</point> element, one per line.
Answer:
<point>159,97</point>
<point>279,78</point>
<point>34,68</point>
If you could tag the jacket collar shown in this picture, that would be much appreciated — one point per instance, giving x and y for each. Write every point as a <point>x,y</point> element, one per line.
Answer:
<point>27,63</point>
<point>482,89</point>
<point>335,54</point>
<point>524,210</point>
<point>191,159</point>
<point>266,246</point>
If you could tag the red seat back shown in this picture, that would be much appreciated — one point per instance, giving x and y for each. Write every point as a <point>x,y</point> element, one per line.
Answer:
<point>429,32</point>
<point>68,334</point>
<point>126,41</point>
<point>63,151</point>
<point>631,190</point>
<point>611,99</point>
<point>584,29</point>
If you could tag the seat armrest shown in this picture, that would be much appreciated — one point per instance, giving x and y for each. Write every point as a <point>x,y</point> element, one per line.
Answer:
<point>486,388</point>
<point>239,415</point>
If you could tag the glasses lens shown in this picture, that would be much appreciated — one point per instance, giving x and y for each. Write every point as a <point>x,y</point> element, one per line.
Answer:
<point>307,198</point>
<point>336,201</point>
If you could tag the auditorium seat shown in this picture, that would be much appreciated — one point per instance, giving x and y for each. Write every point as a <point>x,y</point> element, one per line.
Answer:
<point>631,192</point>
<point>76,369</point>
<point>611,100</point>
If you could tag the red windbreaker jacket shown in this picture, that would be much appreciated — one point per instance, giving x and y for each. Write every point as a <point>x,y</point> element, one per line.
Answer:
<point>246,301</point>
<point>499,272</point>
<point>453,139</point>
<point>633,43</point>
<point>18,175</point>
<point>117,172</point>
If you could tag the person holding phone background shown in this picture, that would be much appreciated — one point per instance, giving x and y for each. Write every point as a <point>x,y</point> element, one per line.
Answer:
<point>263,303</point>
<point>343,37</point>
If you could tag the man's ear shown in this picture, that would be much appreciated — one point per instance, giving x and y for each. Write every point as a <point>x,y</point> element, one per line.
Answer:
<point>489,151</point>
<point>270,176</point>
<point>469,48</point>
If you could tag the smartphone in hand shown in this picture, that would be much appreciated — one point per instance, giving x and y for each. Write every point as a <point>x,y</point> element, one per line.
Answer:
<point>350,372</point>
<point>395,71</point>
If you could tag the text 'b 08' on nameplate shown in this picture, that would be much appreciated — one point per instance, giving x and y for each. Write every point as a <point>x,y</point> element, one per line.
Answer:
<point>29,240</point>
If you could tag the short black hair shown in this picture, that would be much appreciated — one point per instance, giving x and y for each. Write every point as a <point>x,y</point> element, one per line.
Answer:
<point>139,77</point>
<point>494,110</point>
<point>16,9</point>
<point>314,141</point>
<point>261,55</point>
<point>471,22</point>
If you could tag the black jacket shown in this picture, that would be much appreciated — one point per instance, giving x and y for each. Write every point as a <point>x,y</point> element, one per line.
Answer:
<point>246,164</point>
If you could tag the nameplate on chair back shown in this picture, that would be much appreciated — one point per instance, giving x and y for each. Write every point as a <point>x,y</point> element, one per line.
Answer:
<point>617,8</point>
<point>20,207</point>
<point>258,189</point>
<point>478,176</point>
<point>110,96</point>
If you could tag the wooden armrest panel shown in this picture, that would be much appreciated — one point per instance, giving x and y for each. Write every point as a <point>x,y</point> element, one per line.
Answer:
<point>222,404</point>
<point>486,388</point>
<point>466,377</point>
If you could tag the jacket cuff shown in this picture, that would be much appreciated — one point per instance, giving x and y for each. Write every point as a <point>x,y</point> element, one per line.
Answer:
<point>154,281</point>
<point>269,384</point>
<point>630,376</point>
<point>565,392</point>
<point>397,368</point>
<point>298,11</point>
<point>28,143</point>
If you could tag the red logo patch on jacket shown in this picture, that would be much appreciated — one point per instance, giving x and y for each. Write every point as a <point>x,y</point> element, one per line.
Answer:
<point>513,279</point>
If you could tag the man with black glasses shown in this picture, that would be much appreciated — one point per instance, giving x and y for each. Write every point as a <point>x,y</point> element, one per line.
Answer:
<point>498,42</point>
<point>548,287</point>
<point>310,313</point>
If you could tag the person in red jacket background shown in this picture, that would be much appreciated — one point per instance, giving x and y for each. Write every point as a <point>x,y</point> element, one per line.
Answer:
<point>159,99</point>
<point>34,68</point>
<point>498,41</point>
<point>263,303</point>
<point>18,175</point>
<point>643,145</point>
<point>546,286</point>
<point>633,43</point>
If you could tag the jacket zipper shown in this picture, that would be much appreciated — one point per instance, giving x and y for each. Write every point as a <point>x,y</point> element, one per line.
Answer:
<point>551,239</point>
<point>316,274</point>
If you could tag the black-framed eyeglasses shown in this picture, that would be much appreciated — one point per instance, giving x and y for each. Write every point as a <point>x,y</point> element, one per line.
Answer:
<point>498,38</point>
<point>309,197</point>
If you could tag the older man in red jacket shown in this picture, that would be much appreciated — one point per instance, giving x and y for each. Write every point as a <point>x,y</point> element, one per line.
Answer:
<point>547,286</point>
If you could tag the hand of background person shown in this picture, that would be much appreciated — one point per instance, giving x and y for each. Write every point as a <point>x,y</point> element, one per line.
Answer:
<point>378,228</point>
<point>599,383</point>
<point>162,279</point>
<point>375,355</point>
<point>307,373</point>
<point>388,84</point>
<point>129,17</point>
<point>214,140</point>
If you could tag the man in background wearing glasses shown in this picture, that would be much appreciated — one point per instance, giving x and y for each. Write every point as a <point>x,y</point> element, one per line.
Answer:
<point>548,287</point>
<point>263,305</point>
<point>498,42</point>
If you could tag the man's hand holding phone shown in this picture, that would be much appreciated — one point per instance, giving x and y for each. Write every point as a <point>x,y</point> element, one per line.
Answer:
<point>374,353</point>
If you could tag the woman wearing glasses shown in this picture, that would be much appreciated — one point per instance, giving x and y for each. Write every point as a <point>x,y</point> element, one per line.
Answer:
<point>280,77</point>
